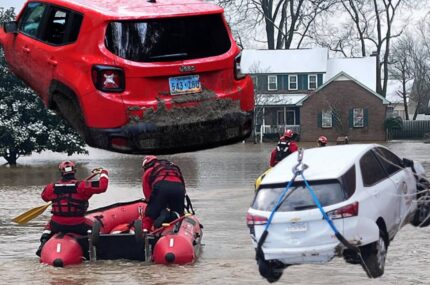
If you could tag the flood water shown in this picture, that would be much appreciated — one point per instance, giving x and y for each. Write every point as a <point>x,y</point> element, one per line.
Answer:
<point>220,184</point>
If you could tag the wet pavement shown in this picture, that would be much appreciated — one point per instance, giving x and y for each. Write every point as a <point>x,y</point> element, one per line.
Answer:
<point>220,184</point>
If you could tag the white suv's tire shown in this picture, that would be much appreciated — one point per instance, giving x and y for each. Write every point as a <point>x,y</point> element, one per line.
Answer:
<point>271,270</point>
<point>422,214</point>
<point>374,256</point>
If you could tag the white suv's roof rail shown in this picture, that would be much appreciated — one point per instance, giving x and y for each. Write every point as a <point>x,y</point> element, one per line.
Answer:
<point>323,163</point>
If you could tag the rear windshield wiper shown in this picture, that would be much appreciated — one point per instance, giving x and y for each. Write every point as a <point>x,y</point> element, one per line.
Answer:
<point>304,207</point>
<point>169,56</point>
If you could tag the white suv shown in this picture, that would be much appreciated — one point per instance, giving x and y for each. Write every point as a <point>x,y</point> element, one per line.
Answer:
<point>366,192</point>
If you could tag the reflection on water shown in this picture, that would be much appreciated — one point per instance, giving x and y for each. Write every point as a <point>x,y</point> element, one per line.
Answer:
<point>220,183</point>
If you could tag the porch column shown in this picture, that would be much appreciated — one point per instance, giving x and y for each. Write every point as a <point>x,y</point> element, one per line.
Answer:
<point>285,118</point>
<point>263,125</point>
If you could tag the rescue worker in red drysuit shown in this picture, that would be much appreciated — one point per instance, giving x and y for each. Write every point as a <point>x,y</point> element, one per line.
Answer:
<point>322,141</point>
<point>70,202</point>
<point>163,187</point>
<point>285,147</point>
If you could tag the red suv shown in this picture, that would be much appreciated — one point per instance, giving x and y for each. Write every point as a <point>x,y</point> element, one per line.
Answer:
<point>156,76</point>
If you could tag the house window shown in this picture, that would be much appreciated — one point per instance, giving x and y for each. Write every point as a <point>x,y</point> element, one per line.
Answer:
<point>280,117</point>
<point>255,81</point>
<point>326,119</point>
<point>272,82</point>
<point>292,82</point>
<point>291,117</point>
<point>358,117</point>
<point>312,82</point>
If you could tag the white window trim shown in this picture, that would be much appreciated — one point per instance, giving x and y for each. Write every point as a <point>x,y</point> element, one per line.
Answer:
<point>309,81</point>
<point>354,120</point>
<point>289,82</point>
<point>328,126</point>
<point>268,82</point>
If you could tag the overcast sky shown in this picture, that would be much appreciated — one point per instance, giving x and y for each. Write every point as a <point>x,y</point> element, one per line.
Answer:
<point>17,4</point>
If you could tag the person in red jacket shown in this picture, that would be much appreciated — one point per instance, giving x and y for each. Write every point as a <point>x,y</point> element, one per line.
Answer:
<point>70,202</point>
<point>163,187</point>
<point>285,147</point>
<point>322,141</point>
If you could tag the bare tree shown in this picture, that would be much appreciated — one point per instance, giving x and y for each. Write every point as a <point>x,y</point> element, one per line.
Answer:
<point>370,30</point>
<point>255,69</point>
<point>260,98</point>
<point>285,22</point>
<point>411,61</point>
<point>402,68</point>
<point>421,61</point>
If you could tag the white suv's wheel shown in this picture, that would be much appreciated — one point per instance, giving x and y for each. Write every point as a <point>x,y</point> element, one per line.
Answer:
<point>374,256</point>
<point>422,214</point>
<point>271,270</point>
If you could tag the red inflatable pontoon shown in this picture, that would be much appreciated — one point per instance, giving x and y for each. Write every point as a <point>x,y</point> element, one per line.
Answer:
<point>179,243</point>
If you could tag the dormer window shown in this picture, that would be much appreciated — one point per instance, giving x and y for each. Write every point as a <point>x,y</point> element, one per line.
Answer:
<point>272,82</point>
<point>312,82</point>
<point>292,82</point>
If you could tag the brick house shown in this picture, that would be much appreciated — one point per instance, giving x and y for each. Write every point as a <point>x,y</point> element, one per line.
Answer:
<point>284,79</point>
<point>343,107</point>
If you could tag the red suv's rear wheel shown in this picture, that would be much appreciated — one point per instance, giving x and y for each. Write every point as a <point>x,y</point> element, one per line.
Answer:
<point>68,108</point>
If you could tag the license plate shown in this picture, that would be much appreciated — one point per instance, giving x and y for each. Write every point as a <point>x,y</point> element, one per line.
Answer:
<point>297,227</point>
<point>185,84</point>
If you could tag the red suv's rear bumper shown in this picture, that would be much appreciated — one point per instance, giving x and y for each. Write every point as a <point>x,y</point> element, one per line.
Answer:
<point>149,137</point>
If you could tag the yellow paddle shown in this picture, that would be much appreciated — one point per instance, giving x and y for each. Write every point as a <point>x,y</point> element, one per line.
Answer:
<point>30,214</point>
<point>33,213</point>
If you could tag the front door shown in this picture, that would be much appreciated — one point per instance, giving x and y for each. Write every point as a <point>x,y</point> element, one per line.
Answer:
<point>45,53</point>
<point>25,40</point>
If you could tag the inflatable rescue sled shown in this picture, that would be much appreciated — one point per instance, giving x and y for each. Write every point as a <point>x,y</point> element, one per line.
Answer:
<point>117,234</point>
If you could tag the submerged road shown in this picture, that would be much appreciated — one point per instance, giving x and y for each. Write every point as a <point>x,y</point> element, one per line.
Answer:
<point>220,184</point>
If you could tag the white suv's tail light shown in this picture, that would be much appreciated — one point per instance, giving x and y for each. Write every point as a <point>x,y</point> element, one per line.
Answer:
<point>255,220</point>
<point>347,211</point>
<point>237,68</point>
<point>108,78</point>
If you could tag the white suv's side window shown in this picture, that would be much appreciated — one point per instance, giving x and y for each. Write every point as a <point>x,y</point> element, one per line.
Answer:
<point>371,169</point>
<point>391,162</point>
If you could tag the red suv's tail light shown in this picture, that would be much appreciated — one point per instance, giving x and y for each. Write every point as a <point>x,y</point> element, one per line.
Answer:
<point>255,220</point>
<point>120,143</point>
<point>108,78</point>
<point>347,211</point>
<point>237,69</point>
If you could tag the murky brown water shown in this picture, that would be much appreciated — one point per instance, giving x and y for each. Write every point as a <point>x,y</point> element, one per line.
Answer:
<point>220,183</point>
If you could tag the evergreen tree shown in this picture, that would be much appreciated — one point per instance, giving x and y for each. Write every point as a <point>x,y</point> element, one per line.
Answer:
<point>26,125</point>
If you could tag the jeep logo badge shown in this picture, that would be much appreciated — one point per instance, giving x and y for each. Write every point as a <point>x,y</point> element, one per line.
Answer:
<point>187,68</point>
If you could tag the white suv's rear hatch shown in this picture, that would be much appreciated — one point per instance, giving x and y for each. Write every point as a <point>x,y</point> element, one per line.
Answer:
<point>298,233</point>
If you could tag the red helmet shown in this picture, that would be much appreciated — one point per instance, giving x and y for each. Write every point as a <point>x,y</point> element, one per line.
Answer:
<point>322,139</point>
<point>148,161</point>
<point>67,167</point>
<point>288,134</point>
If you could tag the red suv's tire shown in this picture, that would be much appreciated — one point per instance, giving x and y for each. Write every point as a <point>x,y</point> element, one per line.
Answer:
<point>68,108</point>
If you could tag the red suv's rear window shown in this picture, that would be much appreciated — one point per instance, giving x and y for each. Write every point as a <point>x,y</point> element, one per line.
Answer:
<point>168,39</point>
